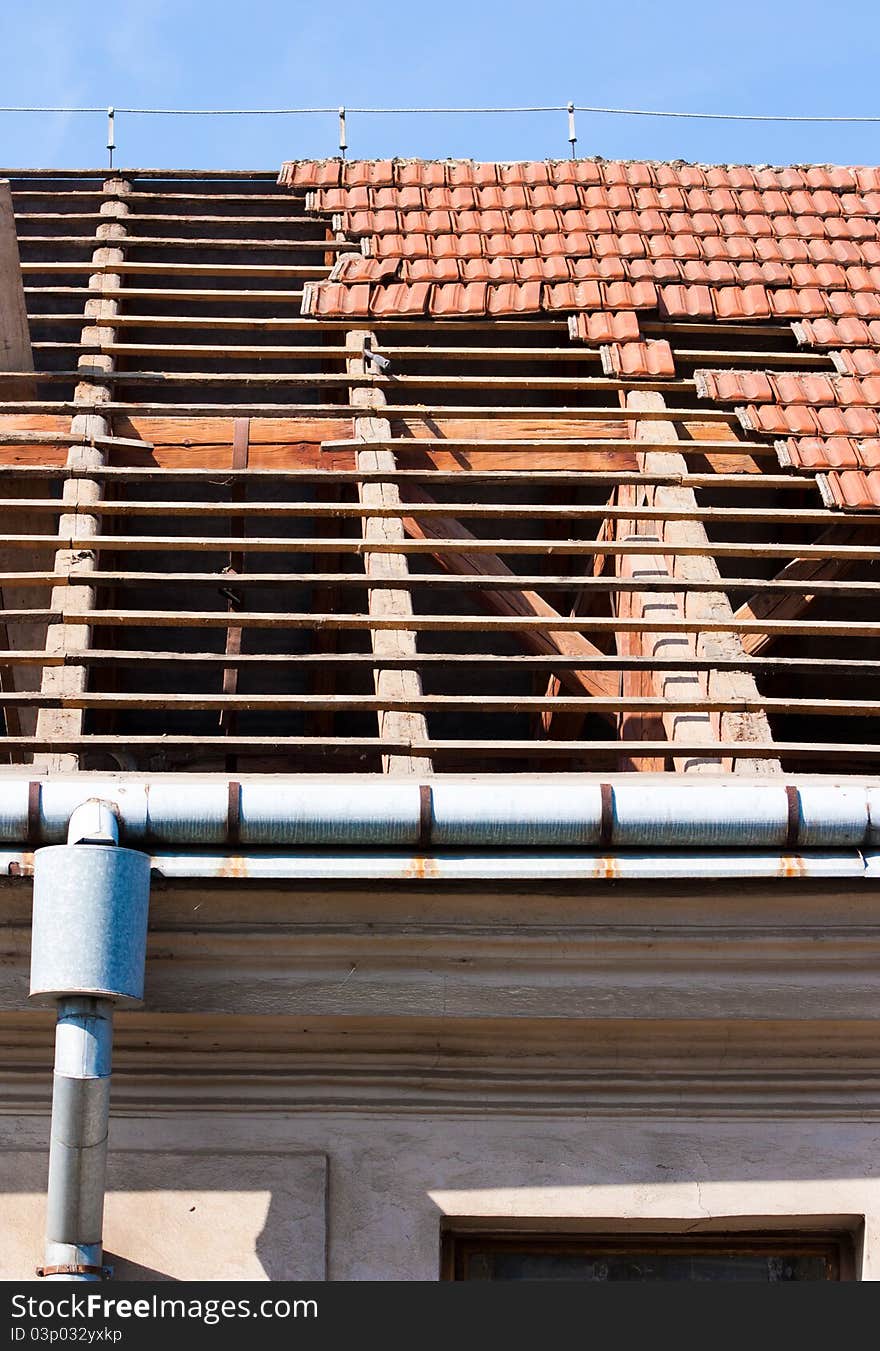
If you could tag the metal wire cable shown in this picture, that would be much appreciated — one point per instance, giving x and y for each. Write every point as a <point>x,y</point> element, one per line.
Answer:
<point>546,108</point>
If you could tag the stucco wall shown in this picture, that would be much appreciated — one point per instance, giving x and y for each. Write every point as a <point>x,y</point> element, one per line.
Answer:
<point>220,1195</point>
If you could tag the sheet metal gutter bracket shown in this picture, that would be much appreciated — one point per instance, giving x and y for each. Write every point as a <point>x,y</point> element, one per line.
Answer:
<point>88,953</point>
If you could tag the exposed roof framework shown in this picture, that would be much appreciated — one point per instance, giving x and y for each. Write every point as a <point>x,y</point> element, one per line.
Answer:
<point>374,537</point>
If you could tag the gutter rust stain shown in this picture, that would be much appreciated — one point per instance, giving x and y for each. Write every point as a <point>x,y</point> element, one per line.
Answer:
<point>606,866</point>
<point>790,865</point>
<point>234,867</point>
<point>422,868</point>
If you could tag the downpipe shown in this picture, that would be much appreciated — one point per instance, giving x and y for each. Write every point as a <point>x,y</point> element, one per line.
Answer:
<point>88,950</point>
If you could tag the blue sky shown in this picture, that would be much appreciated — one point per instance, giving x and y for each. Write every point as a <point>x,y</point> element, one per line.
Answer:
<point>753,56</point>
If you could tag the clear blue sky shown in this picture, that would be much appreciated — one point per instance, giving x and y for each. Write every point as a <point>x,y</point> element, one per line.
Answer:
<point>749,56</point>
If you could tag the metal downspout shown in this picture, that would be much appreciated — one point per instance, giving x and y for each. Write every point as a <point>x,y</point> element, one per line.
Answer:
<point>88,949</point>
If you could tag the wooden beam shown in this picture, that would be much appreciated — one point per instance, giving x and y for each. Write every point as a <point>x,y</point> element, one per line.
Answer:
<point>711,608</point>
<point>516,605</point>
<point>15,337</point>
<point>64,725</point>
<point>692,723</point>
<point>385,604</point>
<point>804,573</point>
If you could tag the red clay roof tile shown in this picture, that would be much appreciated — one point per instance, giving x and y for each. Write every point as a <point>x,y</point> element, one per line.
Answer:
<point>815,452</point>
<point>734,386</point>
<point>848,421</point>
<point>792,304</point>
<point>569,295</point>
<point>608,239</point>
<point>858,361</point>
<point>515,298</point>
<point>606,326</point>
<point>686,302</point>
<point>741,302</point>
<point>336,299</point>
<point>853,490</point>
<point>637,360</point>
<point>454,300</point>
<point>401,298</point>
<point>490,269</point>
<point>811,389</point>
<point>433,269</point>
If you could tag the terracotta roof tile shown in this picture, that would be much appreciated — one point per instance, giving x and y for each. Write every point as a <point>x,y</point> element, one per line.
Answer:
<point>848,421</point>
<point>490,269</point>
<point>811,389</point>
<point>814,452</point>
<point>605,326</point>
<point>453,300</point>
<point>554,268</point>
<point>686,302</point>
<point>374,173</point>
<point>335,299</point>
<point>437,269</point>
<point>639,359</point>
<point>741,302</point>
<point>570,295</point>
<point>515,298</point>
<point>792,304</point>
<point>852,490</point>
<point>622,295</point>
<point>427,173</point>
<point>858,361</point>
<point>735,386</point>
<point>608,240</point>
<point>403,298</point>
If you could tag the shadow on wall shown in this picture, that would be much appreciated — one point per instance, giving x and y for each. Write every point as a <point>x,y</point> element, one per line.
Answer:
<point>123,1270</point>
<point>272,1247</point>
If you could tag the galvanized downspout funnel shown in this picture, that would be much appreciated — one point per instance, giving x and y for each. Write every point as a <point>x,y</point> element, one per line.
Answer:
<point>87,954</point>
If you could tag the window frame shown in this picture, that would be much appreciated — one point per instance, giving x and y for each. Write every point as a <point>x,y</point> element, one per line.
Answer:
<point>458,1244</point>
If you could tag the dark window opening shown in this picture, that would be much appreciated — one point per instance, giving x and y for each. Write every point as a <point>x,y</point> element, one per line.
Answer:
<point>758,1257</point>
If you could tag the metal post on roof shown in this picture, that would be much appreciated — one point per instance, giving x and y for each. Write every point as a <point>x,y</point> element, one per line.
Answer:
<point>343,143</point>
<point>111,138</point>
<point>572,132</point>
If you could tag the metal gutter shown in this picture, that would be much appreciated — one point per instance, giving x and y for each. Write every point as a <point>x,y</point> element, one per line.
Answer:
<point>459,828</point>
<point>510,866</point>
<point>603,815</point>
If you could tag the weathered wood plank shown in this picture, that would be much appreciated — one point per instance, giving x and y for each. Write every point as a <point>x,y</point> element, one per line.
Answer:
<point>82,493</point>
<point>806,579</point>
<point>15,337</point>
<point>710,610</point>
<point>385,526</point>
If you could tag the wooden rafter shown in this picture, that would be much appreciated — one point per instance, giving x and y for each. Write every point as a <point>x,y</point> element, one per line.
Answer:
<point>517,604</point>
<point>794,604</point>
<point>16,353</point>
<point>371,426</point>
<point>710,606</point>
<point>79,493</point>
